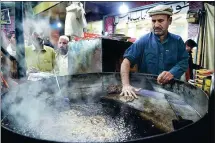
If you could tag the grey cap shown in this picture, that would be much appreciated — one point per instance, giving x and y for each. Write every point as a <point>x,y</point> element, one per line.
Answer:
<point>161,9</point>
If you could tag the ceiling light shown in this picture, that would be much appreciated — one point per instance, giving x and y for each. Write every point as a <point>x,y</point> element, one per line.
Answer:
<point>123,8</point>
<point>59,24</point>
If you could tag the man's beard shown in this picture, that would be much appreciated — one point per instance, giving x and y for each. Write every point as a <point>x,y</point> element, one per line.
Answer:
<point>159,31</point>
<point>63,50</point>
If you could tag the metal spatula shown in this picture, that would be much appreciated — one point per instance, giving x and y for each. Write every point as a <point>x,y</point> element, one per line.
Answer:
<point>179,122</point>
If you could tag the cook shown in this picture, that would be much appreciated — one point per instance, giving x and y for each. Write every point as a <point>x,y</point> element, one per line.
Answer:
<point>159,52</point>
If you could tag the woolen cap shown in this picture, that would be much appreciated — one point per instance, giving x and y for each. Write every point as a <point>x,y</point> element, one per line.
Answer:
<point>161,9</point>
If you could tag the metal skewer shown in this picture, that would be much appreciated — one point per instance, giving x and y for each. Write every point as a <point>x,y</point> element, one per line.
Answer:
<point>57,83</point>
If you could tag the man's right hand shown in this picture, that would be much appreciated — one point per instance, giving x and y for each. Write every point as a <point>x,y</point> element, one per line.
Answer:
<point>129,92</point>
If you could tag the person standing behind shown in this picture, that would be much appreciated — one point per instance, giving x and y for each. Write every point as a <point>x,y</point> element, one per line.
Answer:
<point>39,58</point>
<point>159,52</point>
<point>61,66</point>
<point>11,48</point>
<point>190,44</point>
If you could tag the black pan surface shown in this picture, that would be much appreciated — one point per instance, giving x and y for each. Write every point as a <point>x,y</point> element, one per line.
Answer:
<point>83,92</point>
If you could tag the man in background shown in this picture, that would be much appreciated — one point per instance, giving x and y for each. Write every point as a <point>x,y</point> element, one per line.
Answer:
<point>61,66</point>
<point>11,48</point>
<point>190,44</point>
<point>39,58</point>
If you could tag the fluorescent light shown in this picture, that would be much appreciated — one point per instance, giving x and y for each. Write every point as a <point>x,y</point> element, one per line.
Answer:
<point>123,8</point>
<point>59,24</point>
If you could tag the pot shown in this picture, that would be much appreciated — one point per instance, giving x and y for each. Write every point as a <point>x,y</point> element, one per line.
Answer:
<point>146,120</point>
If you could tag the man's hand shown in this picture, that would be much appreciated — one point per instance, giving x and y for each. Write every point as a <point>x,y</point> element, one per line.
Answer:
<point>164,77</point>
<point>129,92</point>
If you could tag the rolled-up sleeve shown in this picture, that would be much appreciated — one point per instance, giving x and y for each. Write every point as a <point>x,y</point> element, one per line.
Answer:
<point>181,67</point>
<point>133,52</point>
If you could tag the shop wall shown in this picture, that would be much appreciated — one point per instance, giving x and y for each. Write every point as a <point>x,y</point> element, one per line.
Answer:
<point>138,23</point>
<point>109,21</point>
<point>192,31</point>
<point>9,27</point>
<point>95,27</point>
<point>109,25</point>
<point>193,28</point>
<point>6,29</point>
<point>142,3</point>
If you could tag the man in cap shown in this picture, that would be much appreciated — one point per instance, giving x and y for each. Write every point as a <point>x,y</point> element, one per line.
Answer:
<point>158,52</point>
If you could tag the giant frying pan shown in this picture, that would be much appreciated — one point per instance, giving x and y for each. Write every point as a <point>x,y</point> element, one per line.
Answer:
<point>148,119</point>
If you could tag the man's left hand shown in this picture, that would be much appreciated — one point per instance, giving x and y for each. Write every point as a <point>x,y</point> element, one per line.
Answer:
<point>164,77</point>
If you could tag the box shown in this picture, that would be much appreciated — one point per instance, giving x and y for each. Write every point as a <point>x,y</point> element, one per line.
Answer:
<point>207,84</point>
<point>198,85</point>
<point>203,72</point>
<point>199,81</point>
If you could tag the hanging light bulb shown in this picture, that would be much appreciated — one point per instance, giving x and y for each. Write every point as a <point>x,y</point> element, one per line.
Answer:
<point>59,25</point>
<point>123,8</point>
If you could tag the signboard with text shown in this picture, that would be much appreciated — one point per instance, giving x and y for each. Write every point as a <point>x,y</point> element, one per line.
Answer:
<point>138,23</point>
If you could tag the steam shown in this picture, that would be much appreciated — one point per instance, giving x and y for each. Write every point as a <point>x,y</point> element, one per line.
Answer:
<point>39,25</point>
<point>4,41</point>
<point>85,56</point>
<point>34,107</point>
<point>38,110</point>
<point>30,105</point>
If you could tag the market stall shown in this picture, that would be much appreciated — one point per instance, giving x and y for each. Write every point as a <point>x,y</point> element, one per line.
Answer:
<point>87,105</point>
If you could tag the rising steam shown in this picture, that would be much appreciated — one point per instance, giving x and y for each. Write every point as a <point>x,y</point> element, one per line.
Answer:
<point>38,110</point>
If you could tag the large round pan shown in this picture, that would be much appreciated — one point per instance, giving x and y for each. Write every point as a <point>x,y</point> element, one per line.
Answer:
<point>93,86</point>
